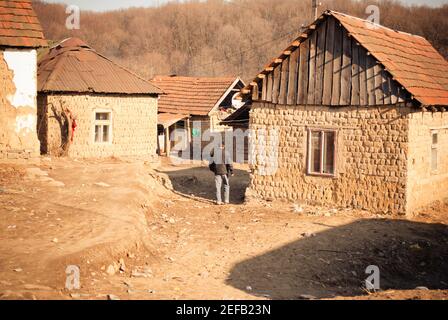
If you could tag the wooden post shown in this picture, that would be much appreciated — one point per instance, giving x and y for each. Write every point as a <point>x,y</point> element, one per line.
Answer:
<point>302,91</point>
<point>255,93</point>
<point>370,80</point>
<point>355,74</point>
<point>167,141</point>
<point>276,83</point>
<point>320,61</point>
<point>312,73</point>
<point>379,97</point>
<point>337,63</point>
<point>328,69</point>
<point>363,97</point>
<point>188,126</point>
<point>292,81</point>
<point>284,82</point>
<point>346,70</point>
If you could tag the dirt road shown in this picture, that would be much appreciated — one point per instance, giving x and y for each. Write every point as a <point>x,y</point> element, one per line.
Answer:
<point>133,238</point>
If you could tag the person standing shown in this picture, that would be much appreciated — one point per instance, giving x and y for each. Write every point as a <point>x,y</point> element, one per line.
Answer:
<point>222,167</point>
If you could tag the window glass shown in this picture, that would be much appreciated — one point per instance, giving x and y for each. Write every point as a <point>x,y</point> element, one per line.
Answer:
<point>329,153</point>
<point>105,133</point>
<point>97,133</point>
<point>315,152</point>
<point>434,152</point>
<point>102,127</point>
<point>322,152</point>
<point>435,138</point>
<point>102,116</point>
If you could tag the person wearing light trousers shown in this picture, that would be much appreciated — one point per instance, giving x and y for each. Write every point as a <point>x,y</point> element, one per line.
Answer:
<point>222,167</point>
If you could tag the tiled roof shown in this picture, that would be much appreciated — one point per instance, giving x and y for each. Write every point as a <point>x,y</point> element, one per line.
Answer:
<point>72,66</point>
<point>410,59</point>
<point>19,26</point>
<point>189,95</point>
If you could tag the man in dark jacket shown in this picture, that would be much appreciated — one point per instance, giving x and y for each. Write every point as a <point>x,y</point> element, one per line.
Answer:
<point>222,167</point>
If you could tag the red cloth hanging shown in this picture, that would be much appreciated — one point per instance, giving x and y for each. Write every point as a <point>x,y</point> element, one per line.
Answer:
<point>74,125</point>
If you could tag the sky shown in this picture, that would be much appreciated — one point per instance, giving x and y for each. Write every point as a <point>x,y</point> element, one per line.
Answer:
<point>104,5</point>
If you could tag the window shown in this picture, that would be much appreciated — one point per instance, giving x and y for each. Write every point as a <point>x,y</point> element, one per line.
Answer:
<point>434,151</point>
<point>103,127</point>
<point>321,152</point>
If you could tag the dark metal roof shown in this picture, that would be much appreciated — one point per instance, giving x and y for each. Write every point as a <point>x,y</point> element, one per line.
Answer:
<point>73,66</point>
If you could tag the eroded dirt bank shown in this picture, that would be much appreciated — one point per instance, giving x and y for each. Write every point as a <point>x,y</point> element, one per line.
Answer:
<point>134,239</point>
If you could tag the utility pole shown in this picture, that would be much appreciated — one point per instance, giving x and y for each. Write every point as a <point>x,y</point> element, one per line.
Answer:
<point>314,7</point>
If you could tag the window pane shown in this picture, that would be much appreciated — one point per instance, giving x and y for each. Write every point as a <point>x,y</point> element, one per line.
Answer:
<point>97,133</point>
<point>315,152</point>
<point>102,116</point>
<point>105,133</point>
<point>435,138</point>
<point>434,162</point>
<point>329,152</point>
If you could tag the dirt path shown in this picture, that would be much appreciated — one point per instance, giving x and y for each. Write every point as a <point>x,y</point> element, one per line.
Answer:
<point>179,245</point>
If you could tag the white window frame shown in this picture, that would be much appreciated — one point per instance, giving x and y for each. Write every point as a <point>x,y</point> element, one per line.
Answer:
<point>434,146</point>
<point>322,131</point>
<point>103,123</point>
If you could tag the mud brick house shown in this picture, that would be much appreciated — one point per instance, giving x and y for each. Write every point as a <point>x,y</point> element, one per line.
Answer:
<point>91,107</point>
<point>359,113</point>
<point>187,100</point>
<point>20,36</point>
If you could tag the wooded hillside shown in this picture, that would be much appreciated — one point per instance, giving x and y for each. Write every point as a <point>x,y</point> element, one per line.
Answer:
<point>219,38</point>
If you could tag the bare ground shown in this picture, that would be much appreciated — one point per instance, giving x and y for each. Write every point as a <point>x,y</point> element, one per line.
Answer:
<point>176,244</point>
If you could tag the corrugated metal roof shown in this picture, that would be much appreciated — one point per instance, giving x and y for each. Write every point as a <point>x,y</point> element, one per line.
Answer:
<point>72,66</point>
<point>19,26</point>
<point>191,95</point>
<point>411,60</point>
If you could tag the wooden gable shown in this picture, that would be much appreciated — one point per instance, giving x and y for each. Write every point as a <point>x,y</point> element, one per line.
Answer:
<point>328,67</point>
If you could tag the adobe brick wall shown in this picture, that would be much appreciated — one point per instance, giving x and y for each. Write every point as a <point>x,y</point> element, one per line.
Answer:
<point>134,125</point>
<point>371,160</point>
<point>18,138</point>
<point>424,185</point>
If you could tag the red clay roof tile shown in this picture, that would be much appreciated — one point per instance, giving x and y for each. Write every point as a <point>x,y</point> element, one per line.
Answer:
<point>191,95</point>
<point>410,59</point>
<point>19,26</point>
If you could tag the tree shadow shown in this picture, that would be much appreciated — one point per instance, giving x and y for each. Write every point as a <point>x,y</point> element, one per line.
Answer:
<point>200,182</point>
<point>333,262</point>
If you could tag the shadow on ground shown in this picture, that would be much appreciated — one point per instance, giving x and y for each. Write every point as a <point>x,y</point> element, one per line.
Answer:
<point>200,182</point>
<point>333,263</point>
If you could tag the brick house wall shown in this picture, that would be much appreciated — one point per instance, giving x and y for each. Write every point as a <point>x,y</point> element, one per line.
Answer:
<point>134,125</point>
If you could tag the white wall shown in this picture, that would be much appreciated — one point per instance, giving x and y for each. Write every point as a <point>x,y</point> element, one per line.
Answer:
<point>18,136</point>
